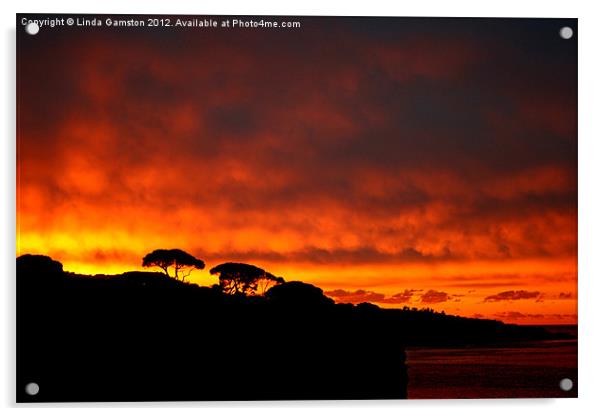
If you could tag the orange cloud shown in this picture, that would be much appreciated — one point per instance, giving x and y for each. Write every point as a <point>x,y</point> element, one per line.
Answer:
<point>510,295</point>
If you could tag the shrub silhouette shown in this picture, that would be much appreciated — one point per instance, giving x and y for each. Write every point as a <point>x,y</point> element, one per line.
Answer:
<point>298,294</point>
<point>35,264</point>
<point>242,278</point>
<point>181,262</point>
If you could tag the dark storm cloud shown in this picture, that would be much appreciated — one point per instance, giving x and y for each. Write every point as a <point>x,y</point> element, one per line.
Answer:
<point>315,255</point>
<point>399,134</point>
<point>234,119</point>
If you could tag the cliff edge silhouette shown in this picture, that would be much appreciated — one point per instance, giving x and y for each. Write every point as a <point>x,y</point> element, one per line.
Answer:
<point>142,336</point>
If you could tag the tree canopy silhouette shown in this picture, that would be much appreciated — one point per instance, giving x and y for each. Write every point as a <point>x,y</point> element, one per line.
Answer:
<point>182,262</point>
<point>242,278</point>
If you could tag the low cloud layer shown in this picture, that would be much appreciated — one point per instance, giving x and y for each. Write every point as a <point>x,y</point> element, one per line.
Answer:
<point>511,295</point>
<point>360,295</point>
<point>434,296</point>
<point>515,315</point>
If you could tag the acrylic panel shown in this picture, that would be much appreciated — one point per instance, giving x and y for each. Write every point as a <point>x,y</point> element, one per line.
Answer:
<point>295,208</point>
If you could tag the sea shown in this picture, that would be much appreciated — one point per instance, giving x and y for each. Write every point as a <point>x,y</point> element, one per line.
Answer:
<point>519,370</point>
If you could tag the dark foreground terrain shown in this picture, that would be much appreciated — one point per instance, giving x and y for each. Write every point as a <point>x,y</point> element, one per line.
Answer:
<point>529,369</point>
<point>144,336</point>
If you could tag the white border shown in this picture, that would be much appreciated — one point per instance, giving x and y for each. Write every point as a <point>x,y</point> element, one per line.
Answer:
<point>590,203</point>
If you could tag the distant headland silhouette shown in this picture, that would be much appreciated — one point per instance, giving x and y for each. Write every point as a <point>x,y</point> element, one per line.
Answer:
<point>151,336</point>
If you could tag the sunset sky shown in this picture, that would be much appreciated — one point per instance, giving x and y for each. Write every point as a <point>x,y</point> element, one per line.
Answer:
<point>404,162</point>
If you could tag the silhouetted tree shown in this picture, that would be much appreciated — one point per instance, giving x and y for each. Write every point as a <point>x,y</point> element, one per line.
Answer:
<point>235,278</point>
<point>182,262</point>
<point>266,282</point>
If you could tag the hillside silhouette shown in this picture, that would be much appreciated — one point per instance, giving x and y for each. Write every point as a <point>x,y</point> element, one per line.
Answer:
<point>145,336</point>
